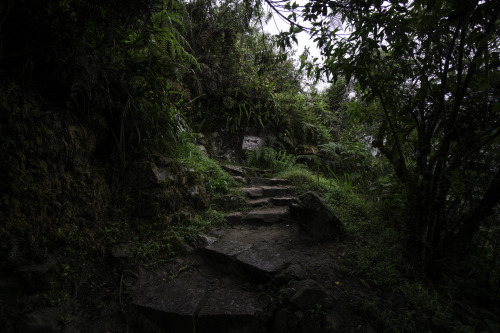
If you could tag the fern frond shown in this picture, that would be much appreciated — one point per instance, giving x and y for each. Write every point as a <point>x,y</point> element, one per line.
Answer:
<point>309,158</point>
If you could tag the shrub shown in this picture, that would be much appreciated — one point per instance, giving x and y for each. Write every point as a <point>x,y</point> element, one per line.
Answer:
<point>217,181</point>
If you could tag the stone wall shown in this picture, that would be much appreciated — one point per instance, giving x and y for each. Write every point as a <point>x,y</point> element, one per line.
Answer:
<point>164,187</point>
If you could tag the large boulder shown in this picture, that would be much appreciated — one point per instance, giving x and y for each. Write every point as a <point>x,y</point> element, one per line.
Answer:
<point>316,220</point>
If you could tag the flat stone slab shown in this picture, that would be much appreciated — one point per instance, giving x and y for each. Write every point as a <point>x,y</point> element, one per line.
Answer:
<point>282,201</point>
<point>221,254</point>
<point>231,310</point>
<point>268,215</point>
<point>234,218</point>
<point>243,259</point>
<point>253,192</point>
<point>260,266</point>
<point>263,216</point>
<point>258,202</point>
<point>171,307</point>
<point>228,248</point>
<point>271,191</point>
<point>267,181</point>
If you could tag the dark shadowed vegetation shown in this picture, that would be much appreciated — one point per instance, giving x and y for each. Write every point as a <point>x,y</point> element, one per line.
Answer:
<point>116,115</point>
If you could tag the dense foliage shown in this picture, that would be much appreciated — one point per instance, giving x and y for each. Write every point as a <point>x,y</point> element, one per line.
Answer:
<point>432,67</point>
<point>404,143</point>
<point>107,62</point>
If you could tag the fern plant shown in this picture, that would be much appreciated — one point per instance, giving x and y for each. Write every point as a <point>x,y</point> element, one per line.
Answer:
<point>268,158</point>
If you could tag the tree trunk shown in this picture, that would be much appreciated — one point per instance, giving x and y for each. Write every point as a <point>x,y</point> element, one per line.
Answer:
<point>470,225</point>
<point>424,230</point>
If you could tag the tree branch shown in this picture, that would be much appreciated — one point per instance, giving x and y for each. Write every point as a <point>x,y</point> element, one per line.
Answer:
<point>270,3</point>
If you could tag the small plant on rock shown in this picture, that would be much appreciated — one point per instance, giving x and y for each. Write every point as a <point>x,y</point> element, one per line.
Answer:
<point>216,180</point>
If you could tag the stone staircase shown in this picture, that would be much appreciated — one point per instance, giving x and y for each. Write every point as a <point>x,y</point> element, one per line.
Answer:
<point>230,282</point>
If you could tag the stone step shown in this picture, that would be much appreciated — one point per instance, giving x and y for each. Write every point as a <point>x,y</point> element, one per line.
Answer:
<point>282,201</point>
<point>231,202</point>
<point>176,307</point>
<point>242,259</point>
<point>260,215</point>
<point>254,192</point>
<point>238,171</point>
<point>254,203</point>
<point>267,215</point>
<point>267,181</point>
<point>275,191</point>
<point>275,201</point>
<point>234,218</point>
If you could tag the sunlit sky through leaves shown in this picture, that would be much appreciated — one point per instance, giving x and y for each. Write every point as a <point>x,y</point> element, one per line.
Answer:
<point>277,24</point>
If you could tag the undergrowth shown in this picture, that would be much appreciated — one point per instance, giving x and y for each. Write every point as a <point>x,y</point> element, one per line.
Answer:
<point>374,254</point>
<point>347,204</point>
<point>216,180</point>
<point>190,229</point>
<point>61,205</point>
<point>269,158</point>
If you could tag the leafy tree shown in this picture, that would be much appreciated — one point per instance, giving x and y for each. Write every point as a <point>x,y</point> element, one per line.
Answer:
<point>433,67</point>
<point>337,98</point>
<point>244,79</point>
<point>215,32</point>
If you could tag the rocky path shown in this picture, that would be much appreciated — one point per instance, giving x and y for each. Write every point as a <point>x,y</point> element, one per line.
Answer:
<point>258,275</point>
